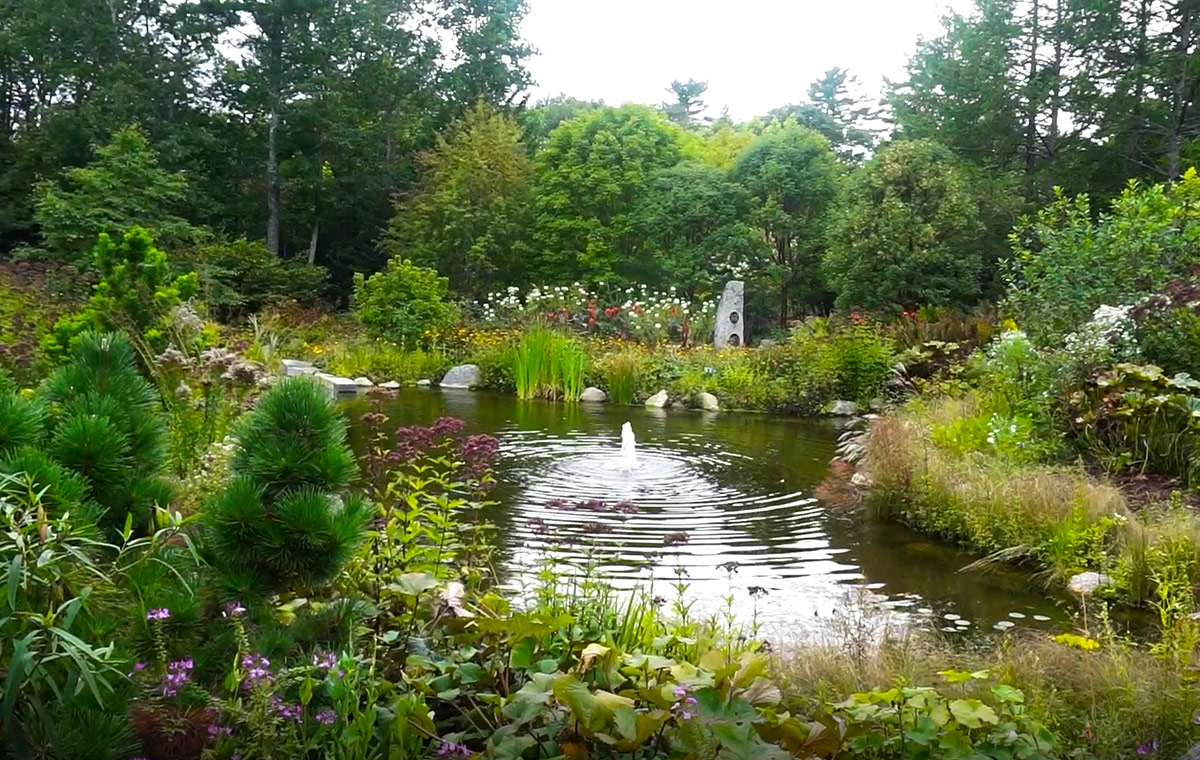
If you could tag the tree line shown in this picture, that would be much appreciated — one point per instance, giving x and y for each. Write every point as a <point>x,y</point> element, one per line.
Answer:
<point>339,133</point>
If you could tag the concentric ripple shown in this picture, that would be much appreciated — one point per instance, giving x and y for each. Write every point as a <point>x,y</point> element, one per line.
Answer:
<point>696,520</point>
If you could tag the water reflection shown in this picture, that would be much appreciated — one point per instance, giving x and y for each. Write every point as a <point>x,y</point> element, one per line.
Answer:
<point>724,503</point>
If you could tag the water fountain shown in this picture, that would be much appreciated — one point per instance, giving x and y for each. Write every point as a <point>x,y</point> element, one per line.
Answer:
<point>628,447</point>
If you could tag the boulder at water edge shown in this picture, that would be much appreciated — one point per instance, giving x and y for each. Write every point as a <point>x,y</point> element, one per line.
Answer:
<point>391,385</point>
<point>708,402</point>
<point>424,382</point>
<point>462,376</point>
<point>657,401</point>
<point>1085,583</point>
<point>842,409</point>
<point>593,394</point>
<point>363,382</point>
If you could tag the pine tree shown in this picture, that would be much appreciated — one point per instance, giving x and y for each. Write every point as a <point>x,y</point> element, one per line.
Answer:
<point>285,520</point>
<point>104,425</point>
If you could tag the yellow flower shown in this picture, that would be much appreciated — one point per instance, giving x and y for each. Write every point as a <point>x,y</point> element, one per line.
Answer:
<point>1081,643</point>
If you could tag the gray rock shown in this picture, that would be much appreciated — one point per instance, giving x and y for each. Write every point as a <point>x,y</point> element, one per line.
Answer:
<point>462,376</point>
<point>657,401</point>
<point>295,367</point>
<point>1085,583</point>
<point>861,479</point>
<point>390,385</point>
<point>708,402</point>
<point>363,381</point>
<point>424,382</point>
<point>593,394</point>
<point>731,323</point>
<point>768,343</point>
<point>842,408</point>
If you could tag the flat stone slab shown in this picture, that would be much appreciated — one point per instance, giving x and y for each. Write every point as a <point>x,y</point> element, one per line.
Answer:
<point>296,368</point>
<point>339,387</point>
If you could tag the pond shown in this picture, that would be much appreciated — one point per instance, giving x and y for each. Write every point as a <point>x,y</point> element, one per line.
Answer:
<point>740,488</point>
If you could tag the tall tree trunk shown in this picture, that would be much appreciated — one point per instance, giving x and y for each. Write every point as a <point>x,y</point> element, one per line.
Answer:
<point>1189,15</point>
<point>273,181</point>
<point>1030,90</point>
<point>312,241</point>
<point>1133,156</point>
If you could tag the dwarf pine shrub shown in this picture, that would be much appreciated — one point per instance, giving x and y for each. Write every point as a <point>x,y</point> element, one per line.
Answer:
<point>285,521</point>
<point>104,424</point>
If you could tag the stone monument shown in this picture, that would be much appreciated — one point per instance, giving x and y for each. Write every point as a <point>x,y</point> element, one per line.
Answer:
<point>731,327</point>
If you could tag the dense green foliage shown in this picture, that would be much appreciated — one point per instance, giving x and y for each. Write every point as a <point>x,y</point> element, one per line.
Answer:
<point>468,214</point>
<point>903,234</point>
<point>693,221</point>
<point>792,177</point>
<point>587,181</point>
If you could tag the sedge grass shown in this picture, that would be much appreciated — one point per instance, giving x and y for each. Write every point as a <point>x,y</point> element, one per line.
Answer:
<point>548,364</point>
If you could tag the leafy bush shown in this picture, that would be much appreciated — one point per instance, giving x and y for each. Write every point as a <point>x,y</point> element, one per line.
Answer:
<point>1136,417</point>
<point>403,302</point>
<point>921,722</point>
<point>285,520</point>
<point>1066,263</point>
<point>238,276</point>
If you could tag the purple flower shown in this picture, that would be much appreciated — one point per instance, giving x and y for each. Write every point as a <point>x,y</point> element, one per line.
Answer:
<point>234,609</point>
<point>162,613</point>
<point>680,692</point>
<point>446,427</point>
<point>327,661</point>
<point>453,748</point>
<point>1148,749</point>
<point>284,710</point>
<point>326,717</point>
<point>256,671</point>
<point>685,715</point>
<point>215,730</point>
<point>177,676</point>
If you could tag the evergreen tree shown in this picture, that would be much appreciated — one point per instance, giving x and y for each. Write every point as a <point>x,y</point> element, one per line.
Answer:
<point>286,521</point>
<point>688,104</point>
<point>104,424</point>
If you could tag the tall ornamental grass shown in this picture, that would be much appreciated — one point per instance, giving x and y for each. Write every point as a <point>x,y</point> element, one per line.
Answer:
<point>547,364</point>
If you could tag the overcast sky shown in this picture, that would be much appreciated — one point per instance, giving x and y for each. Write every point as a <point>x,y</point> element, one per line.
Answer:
<point>755,54</point>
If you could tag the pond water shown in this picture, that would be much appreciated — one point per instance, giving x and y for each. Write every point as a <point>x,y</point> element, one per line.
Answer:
<point>740,486</point>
